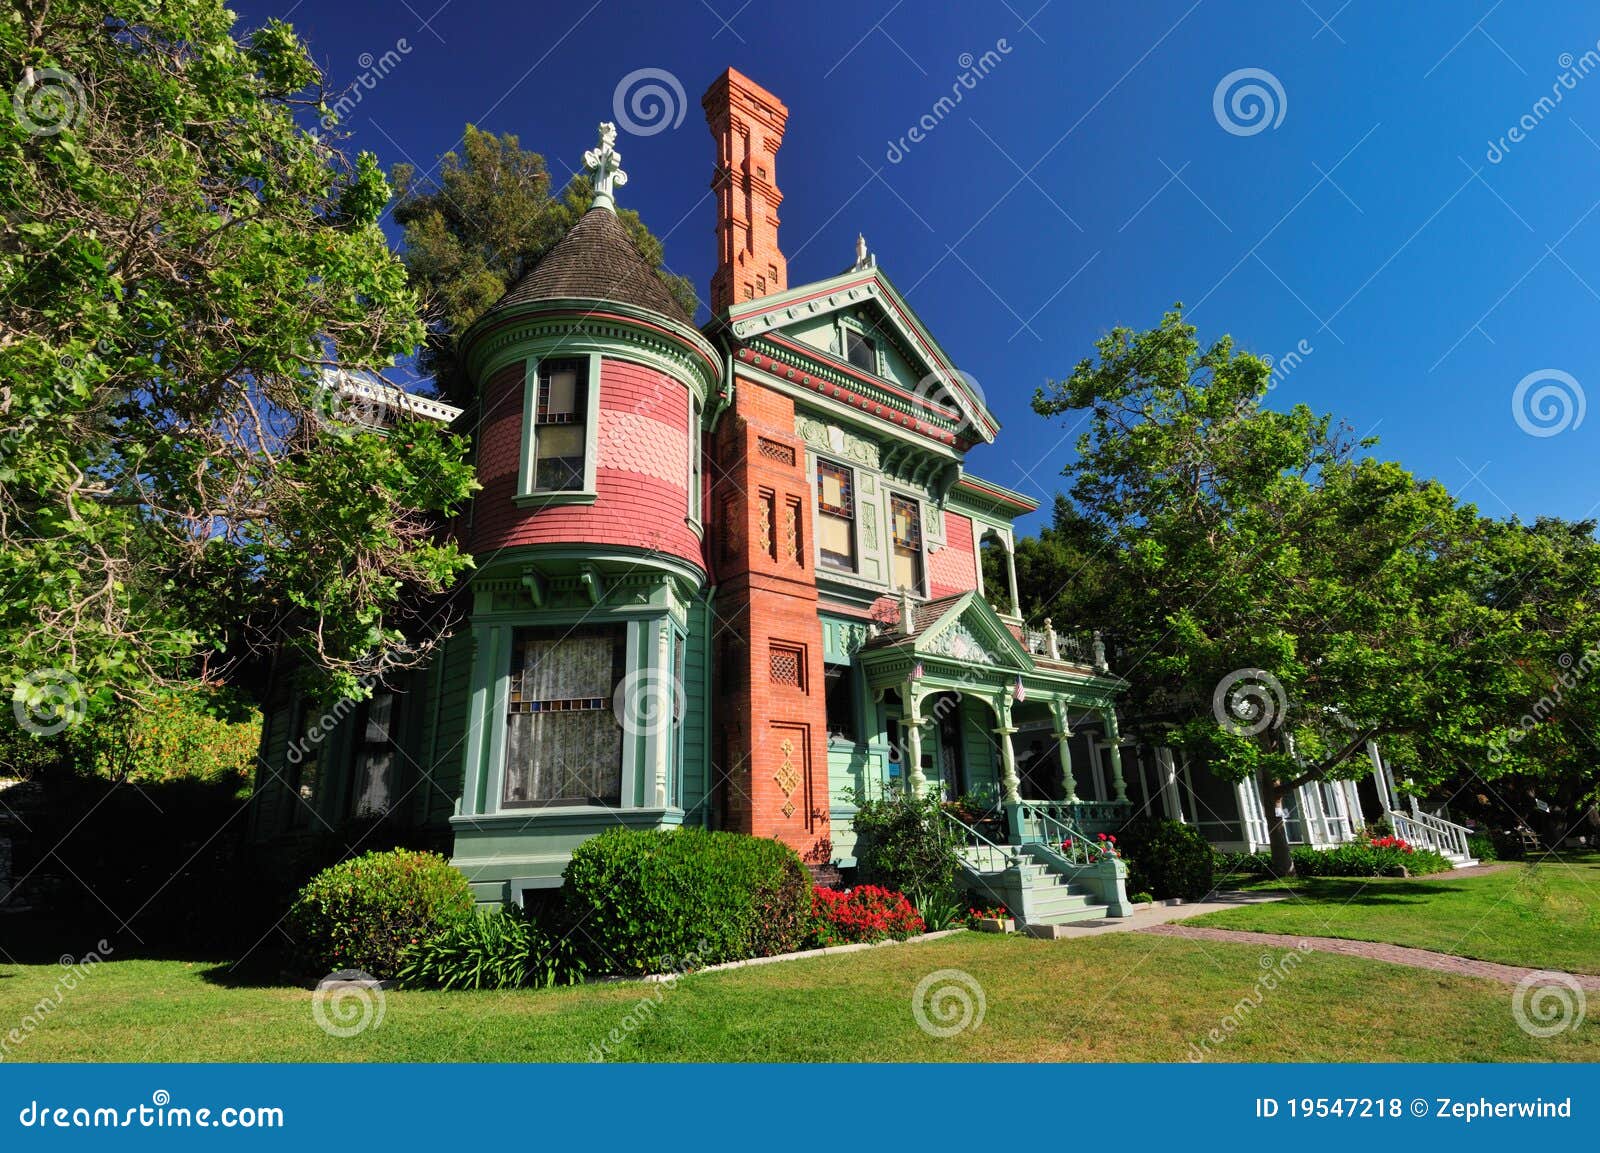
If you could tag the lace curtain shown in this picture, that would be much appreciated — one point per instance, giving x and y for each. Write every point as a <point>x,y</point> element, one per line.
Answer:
<point>563,743</point>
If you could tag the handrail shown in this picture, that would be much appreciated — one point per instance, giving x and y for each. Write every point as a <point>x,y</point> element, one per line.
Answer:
<point>979,843</point>
<point>1431,832</point>
<point>1057,833</point>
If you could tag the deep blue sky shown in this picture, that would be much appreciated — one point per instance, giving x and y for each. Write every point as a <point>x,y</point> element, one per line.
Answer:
<point>1369,223</point>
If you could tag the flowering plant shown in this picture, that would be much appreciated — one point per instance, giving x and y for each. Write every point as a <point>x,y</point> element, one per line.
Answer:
<point>865,913</point>
<point>1392,843</point>
<point>992,913</point>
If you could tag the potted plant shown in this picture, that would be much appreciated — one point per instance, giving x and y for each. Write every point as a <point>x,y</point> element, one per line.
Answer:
<point>994,919</point>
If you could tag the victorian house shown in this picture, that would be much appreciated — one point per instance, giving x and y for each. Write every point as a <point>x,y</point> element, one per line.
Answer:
<point>732,576</point>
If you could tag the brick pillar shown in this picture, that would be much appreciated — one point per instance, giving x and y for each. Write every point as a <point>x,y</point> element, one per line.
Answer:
<point>747,122</point>
<point>773,748</point>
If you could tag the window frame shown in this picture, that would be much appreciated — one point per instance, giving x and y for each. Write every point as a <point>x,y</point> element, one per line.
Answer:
<point>841,673</point>
<point>360,747</point>
<point>622,653</point>
<point>527,494</point>
<point>852,518</point>
<point>849,324</point>
<point>893,543</point>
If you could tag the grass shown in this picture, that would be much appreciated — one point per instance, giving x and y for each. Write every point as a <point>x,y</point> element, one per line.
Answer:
<point>1126,997</point>
<point>1542,916</point>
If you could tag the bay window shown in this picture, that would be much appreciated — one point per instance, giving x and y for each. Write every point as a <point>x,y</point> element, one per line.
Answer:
<point>563,739</point>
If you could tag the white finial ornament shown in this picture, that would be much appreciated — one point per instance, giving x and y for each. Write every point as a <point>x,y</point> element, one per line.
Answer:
<point>605,166</point>
<point>863,257</point>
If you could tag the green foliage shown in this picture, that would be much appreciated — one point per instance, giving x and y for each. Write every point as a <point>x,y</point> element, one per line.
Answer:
<point>1242,864</point>
<point>195,733</point>
<point>1167,858</point>
<point>1481,847</point>
<point>1140,898</point>
<point>473,230</point>
<point>1359,601</point>
<point>648,901</point>
<point>863,914</point>
<point>365,912</point>
<point>499,949</point>
<point>184,266</point>
<point>940,912</point>
<point>903,843</point>
<point>1359,859</point>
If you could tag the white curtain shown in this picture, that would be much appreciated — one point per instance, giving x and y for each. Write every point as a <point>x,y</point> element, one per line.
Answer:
<point>564,742</point>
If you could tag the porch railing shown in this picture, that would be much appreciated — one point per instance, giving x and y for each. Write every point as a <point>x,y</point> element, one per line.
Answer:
<point>977,850</point>
<point>1429,832</point>
<point>1050,823</point>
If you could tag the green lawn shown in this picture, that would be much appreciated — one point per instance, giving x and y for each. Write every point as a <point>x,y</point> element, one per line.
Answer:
<point>1127,996</point>
<point>1544,916</point>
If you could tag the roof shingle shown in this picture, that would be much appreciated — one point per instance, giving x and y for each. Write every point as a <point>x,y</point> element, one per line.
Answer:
<point>595,260</point>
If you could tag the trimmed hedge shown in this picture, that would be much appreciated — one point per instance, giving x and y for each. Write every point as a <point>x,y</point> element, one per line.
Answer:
<point>365,912</point>
<point>650,901</point>
<point>1167,858</point>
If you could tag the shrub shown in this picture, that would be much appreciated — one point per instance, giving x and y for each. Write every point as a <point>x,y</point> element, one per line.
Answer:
<point>363,913</point>
<point>903,843</point>
<point>939,912</point>
<point>1384,857</point>
<point>649,900</point>
<point>1167,858</point>
<point>502,949</point>
<point>1481,847</point>
<point>1140,899</point>
<point>1243,864</point>
<point>865,913</point>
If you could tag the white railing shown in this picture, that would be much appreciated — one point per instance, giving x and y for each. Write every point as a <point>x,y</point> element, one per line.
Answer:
<point>1428,832</point>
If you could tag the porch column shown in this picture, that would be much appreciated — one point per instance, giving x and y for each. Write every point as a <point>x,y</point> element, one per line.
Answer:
<point>1380,778</point>
<point>911,722</point>
<point>1069,787</point>
<point>1109,716</point>
<point>1011,786</point>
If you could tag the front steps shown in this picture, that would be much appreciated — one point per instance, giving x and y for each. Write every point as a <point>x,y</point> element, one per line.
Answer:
<point>1032,891</point>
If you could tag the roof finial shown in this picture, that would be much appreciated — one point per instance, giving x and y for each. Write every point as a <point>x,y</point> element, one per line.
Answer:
<point>863,257</point>
<point>605,166</point>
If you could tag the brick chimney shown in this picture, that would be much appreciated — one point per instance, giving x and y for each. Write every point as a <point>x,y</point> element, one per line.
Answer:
<point>747,122</point>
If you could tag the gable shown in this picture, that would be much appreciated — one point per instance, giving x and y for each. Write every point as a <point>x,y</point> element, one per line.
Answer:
<point>971,632</point>
<point>812,318</point>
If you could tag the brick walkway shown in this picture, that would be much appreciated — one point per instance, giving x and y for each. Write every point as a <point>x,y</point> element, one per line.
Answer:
<point>1372,951</point>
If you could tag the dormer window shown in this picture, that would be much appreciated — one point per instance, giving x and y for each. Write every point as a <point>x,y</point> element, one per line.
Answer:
<point>906,526</point>
<point>559,436</point>
<point>861,350</point>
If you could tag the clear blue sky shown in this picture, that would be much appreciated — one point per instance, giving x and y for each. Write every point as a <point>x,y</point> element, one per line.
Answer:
<point>1086,181</point>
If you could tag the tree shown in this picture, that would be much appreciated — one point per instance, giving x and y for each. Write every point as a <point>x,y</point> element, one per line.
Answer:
<point>1281,598</point>
<point>183,271</point>
<point>484,221</point>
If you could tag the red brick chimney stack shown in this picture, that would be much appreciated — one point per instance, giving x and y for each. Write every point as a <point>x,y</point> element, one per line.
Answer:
<point>747,122</point>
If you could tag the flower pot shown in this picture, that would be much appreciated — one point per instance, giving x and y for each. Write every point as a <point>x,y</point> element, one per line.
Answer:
<point>997,925</point>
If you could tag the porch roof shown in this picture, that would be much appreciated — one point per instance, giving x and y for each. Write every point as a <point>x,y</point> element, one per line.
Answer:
<point>959,643</point>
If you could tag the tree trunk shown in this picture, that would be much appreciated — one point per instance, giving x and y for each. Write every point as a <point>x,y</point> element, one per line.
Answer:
<point>1272,794</point>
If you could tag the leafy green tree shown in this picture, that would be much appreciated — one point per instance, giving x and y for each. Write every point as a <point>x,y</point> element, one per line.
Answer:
<point>184,269</point>
<point>473,230</point>
<point>1280,597</point>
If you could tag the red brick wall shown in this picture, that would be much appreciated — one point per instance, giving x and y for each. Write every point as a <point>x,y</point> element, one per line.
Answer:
<point>952,569</point>
<point>767,597</point>
<point>641,474</point>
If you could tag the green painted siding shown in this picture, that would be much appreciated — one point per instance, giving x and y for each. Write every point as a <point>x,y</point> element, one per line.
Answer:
<point>697,692</point>
<point>445,692</point>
